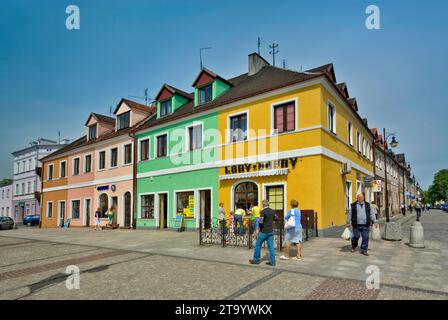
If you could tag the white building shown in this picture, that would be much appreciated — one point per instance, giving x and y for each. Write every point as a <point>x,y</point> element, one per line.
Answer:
<point>6,205</point>
<point>26,180</point>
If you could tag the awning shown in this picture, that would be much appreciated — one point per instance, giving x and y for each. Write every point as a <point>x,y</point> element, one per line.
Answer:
<point>262,173</point>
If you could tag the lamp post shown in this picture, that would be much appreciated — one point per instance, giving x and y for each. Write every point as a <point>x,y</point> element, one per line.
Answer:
<point>393,144</point>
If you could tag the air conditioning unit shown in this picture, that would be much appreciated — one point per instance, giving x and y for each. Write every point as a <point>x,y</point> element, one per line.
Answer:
<point>346,168</point>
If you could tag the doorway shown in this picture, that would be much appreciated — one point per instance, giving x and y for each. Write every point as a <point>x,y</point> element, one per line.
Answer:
<point>205,207</point>
<point>61,213</point>
<point>115,205</point>
<point>276,198</point>
<point>163,210</point>
<point>104,204</point>
<point>127,209</point>
<point>87,208</point>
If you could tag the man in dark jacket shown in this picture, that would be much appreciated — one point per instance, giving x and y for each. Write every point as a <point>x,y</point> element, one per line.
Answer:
<point>267,218</point>
<point>360,217</point>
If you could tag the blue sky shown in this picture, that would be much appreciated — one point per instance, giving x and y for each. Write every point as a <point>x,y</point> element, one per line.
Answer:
<point>52,78</point>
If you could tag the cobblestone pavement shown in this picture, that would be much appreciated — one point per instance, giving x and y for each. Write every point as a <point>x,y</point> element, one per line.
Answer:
<point>141,264</point>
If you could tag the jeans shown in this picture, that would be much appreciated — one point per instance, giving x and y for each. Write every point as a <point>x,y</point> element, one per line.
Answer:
<point>269,238</point>
<point>239,225</point>
<point>361,231</point>
<point>254,225</point>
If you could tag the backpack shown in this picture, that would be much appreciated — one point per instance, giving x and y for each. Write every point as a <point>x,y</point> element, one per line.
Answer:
<point>291,222</point>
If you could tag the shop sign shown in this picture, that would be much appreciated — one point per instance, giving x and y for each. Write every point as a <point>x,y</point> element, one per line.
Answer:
<point>367,180</point>
<point>261,166</point>
<point>377,186</point>
<point>189,212</point>
<point>102,188</point>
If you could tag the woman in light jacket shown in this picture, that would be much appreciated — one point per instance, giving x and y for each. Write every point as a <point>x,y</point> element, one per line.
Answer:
<point>294,234</point>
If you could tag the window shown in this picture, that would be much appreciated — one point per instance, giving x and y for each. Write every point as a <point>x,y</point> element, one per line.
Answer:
<point>363,147</point>
<point>331,118</point>
<point>92,132</point>
<point>144,150</point>
<point>102,160</point>
<point>147,206</point>
<point>350,133</point>
<point>185,203</point>
<point>63,169</point>
<point>358,141</point>
<point>23,188</point>
<point>284,117</point>
<point>30,165</point>
<point>7,194</point>
<point>205,94</point>
<point>276,199</point>
<point>76,166</point>
<point>128,154</point>
<point>88,163</point>
<point>17,189</point>
<point>238,127</point>
<point>114,157</point>
<point>161,145</point>
<point>28,186</point>
<point>49,209</point>
<point>245,194</point>
<point>195,137</point>
<point>165,107</point>
<point>3,194</point>
<point>50,172</point>
<point>76,204</point>
<point>124,120</point>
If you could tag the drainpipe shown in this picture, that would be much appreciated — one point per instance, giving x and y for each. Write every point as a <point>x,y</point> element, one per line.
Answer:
<point>134,179</point>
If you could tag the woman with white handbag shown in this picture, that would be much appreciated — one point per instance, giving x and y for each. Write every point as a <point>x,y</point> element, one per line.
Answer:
<point>293,231</point>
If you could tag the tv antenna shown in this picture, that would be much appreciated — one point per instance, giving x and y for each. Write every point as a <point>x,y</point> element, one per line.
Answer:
<point>259,45</point>
<point>273,51</point>
<point>200,54</point>
<point>284,63</point>
<point>145,97</point>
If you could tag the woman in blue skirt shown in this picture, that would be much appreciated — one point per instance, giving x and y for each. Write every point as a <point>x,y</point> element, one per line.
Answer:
<point>293,232</point>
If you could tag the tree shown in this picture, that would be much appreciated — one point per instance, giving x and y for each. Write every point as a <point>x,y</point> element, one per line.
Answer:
<point>439,188</point>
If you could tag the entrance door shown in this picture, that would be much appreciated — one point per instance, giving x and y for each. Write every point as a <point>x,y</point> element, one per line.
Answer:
<point>205,207</point>
<point>127,209</point>
<point>61,213</point>
<point>115,204</point>
<point>163,210</point>
<point>276,198</point>
<point>87,208</point>
<point>348,195</point>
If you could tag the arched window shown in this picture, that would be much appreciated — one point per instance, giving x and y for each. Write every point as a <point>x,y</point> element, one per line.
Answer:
<point>244,194</point>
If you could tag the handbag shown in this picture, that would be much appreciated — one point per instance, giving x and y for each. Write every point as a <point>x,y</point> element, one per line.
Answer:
<point>291,222</point>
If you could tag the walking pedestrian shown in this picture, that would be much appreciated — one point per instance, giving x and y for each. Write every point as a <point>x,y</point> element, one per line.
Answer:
<point>360,217</point>
<point>374,209</point>
<point>403,209</point>
<point>418,210</point>
<point>222,218</point>
<point>267,218</point>
<point>98,214</point>
<point>294,233</point>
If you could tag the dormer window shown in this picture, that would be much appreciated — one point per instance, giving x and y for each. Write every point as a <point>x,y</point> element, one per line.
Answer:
<point>124,120</point>
<point>92,132</point>
<point>165,107</point>
<point>205,94</point>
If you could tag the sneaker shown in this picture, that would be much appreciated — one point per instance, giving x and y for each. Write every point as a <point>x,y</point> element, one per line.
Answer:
<point>365,253</point>
<point>297,258</point>
<point>270,264</point>
<point>284,258</point>
<point>251,261</point>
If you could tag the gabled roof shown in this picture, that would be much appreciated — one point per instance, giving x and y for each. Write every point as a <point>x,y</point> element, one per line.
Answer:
<point>211,74</point>
<point>343,88</point>
<point>326,68</point>
<point>100,118</point>
<point>353,103</point>
<point>174,91</point>
<point>132,105</point>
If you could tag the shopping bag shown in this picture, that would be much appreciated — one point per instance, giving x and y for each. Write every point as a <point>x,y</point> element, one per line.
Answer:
<point>347,234</point>
<point>376,234</point>
<point>291,222</point>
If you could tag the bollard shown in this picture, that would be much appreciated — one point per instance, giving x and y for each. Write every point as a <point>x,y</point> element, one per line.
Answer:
<point>416,237</point>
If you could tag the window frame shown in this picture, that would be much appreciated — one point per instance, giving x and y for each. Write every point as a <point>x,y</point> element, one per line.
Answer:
<point>93,126</point>
<point>153,205</point>
<point>50,177</point>
<point>73,166</point>
<point>111,165</point>
<point>350,132</point>
<point>90,162</point>
<point>156,144</point>
<point>229,126</point>
<point>170,100</point>
<point>124,154</point>
<point>120,117</point>
<point>276,105</point>
<point>48,214</point>
<point>71,209</point>
<point>331,125</point>
<point>358,141</point>
<point>65,169</point>
<point>140,141</point>
<point>188,136</point>
<point>99,160</point>
<point>202,89</point>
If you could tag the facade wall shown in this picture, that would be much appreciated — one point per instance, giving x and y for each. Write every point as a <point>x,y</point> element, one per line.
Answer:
<point>6,203</point>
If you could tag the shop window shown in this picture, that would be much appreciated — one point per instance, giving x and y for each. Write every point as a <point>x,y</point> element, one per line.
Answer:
<point>238,127</point>
<point>162,145</point>
<point>284,117</point>
<point>245,194</point>
<point>195,137</point>
<point>185,203</point>
<point>147,206</point>
<point>76,204</point>
<point>205,94</point>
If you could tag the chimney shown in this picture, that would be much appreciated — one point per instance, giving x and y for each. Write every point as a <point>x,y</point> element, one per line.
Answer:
<point>256,63</point>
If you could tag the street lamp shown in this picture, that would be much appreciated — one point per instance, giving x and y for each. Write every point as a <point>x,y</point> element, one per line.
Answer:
<point>393,144</point>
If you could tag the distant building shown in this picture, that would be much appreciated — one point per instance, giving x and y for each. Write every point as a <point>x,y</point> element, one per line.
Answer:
<point>6,198</point>
<point>26,184</point>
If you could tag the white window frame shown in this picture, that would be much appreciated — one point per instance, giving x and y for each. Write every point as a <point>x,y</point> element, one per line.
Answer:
<point>229,130</point>
<point>358,141</point>
<point>73,166</point>
<point>59,209</point>
<point>124,154</point>
<point>84,218</point>
<point>196,198</point>
<point>105,160</point>
<point>350,191</point>
<point>140,196</point>
<point>187,135</point>
<point>60,169</point>
<point>296,116</point>
<point>110,157</point>
<point>48,172</point>
<point>85,163</point>
<point>167,144</point>
<point>264,193</point>
<point>139,151</point>
<point>47,211</point>
<point>334,116</point>
<point>350,132</point>
<point>71,209</point>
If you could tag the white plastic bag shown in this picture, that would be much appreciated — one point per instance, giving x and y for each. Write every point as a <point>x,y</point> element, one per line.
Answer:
<point>347,234</point>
